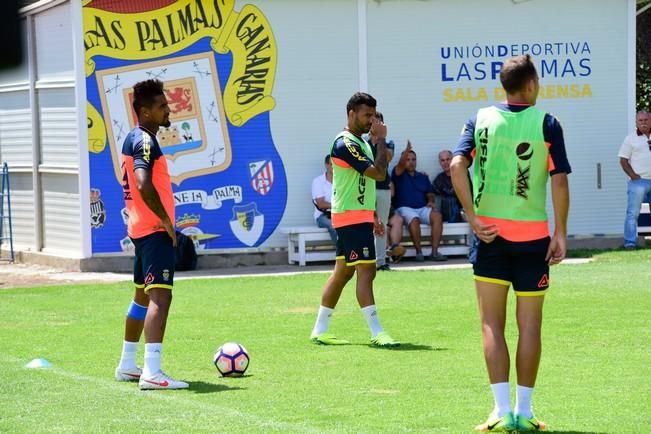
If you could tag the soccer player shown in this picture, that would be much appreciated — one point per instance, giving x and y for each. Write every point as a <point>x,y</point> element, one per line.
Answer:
<point>516,147</point>
<point>354,218</point>
<point>150,205</point>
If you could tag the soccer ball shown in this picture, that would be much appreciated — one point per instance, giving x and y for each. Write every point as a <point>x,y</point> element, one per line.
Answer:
<point>231,360</point>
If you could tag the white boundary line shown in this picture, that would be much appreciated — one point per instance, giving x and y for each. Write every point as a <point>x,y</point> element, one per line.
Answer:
<point>101,278</point>
<point>170,396</point>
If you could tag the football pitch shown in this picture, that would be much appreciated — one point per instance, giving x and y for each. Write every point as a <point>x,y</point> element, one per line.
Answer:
<point>595,374</point>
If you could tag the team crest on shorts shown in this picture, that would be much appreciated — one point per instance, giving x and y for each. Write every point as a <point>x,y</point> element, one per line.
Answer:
<point>365,252</point>
<point>166,275</point>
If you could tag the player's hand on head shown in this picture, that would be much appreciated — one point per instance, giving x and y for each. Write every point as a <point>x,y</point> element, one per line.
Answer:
<point>378,128</point>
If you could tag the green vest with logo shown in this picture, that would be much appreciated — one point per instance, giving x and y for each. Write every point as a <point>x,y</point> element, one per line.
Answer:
<point>510,170</point>
<point>351,190</point>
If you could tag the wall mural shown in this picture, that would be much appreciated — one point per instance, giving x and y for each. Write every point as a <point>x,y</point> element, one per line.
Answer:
<point>218,67</point>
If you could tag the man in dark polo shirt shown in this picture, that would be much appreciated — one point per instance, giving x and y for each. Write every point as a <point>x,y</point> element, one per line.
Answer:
<point>414,201</point>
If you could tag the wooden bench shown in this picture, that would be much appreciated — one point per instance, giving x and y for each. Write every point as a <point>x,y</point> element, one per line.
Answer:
<point>644,222</point>
<point>312,244</point>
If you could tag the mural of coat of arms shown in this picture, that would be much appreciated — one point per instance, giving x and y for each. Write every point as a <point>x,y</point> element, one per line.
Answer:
<point>197,142</point>
<point>217,65</point>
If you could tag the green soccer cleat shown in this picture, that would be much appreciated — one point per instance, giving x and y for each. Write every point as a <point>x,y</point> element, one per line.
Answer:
<point>328,339</point>
<point>505,423</point>
<point>529,424</point>
<point>383,340</point>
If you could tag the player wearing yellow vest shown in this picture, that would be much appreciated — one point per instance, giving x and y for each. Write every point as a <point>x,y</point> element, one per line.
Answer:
<point>515,148</point>
<point>354,172</point>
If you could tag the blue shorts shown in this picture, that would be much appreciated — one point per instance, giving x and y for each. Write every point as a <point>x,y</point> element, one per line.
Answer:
<point>155,259</point>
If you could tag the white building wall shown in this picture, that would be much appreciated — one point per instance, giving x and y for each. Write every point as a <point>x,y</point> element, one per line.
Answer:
<point>39,135</point>
<point>317,72</point>
<point>318,69</point>
<point>59,144</point>
<point>16,149</point>
<point>405,76</point>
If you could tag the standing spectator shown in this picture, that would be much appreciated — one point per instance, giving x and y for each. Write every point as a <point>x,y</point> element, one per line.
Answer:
<point>321,197</point>
<point>635,159</point>
<point>414,201</point>
<point>517,147</point>
<point>446,200</point>
<point>383,201</point>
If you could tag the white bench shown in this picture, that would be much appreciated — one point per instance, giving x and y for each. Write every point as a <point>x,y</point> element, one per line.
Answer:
<point>644,209</point>
<point>312,244</point>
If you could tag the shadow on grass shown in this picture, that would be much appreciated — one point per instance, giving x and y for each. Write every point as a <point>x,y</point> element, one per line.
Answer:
<point>406,346</point>
<point>572,432</point>
<point>593,253</point>
<point>203,387</point>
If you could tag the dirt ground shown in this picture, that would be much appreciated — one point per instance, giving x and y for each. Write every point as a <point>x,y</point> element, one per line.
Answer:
<point>26,275</point>
<point>23,275</point>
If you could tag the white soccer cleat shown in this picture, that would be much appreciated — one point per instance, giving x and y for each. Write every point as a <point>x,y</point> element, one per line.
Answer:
<point>160,381</point>
<point>132,374</point>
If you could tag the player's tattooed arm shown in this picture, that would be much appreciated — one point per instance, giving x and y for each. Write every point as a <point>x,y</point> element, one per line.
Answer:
<point>378,170</point>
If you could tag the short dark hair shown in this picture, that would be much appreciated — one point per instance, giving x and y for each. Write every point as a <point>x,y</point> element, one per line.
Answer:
<point>144,93</point>
<point>516,72</point>
<point>327,159</point>
<point>358,99</point>
<point>379,115</point>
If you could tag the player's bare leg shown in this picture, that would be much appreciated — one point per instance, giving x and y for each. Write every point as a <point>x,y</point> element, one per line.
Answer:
<point>529,316</point>
<point>127,369</point>
<point>329,298</point>
<point>153,377</point>
<point>365,298</point>
<point>491,298</point>
<point>336,283</point>
<point>364,288</point>
<point>133,327</point>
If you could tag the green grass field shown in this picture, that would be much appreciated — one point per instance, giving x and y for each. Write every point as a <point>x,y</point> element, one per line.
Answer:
<point>595,374</point>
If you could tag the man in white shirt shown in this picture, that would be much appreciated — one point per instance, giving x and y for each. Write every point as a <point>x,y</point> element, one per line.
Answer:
<point>321,197</point>
<point>635,159</point>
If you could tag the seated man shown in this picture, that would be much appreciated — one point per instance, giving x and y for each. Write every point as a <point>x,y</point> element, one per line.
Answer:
<point>321,197</point>
<point>414,201</point>
<point>446,200</point>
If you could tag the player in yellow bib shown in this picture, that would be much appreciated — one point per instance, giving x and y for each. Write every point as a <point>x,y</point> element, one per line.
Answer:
<point>354,172</point>
<point>515,148</point>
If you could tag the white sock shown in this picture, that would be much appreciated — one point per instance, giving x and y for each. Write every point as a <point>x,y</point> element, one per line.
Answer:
<point>152,359</point>
<point>322,320</point>
<point>370,313</point>
<point>502,395</point>
<point>128,358</point>
<point>523,401</point>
